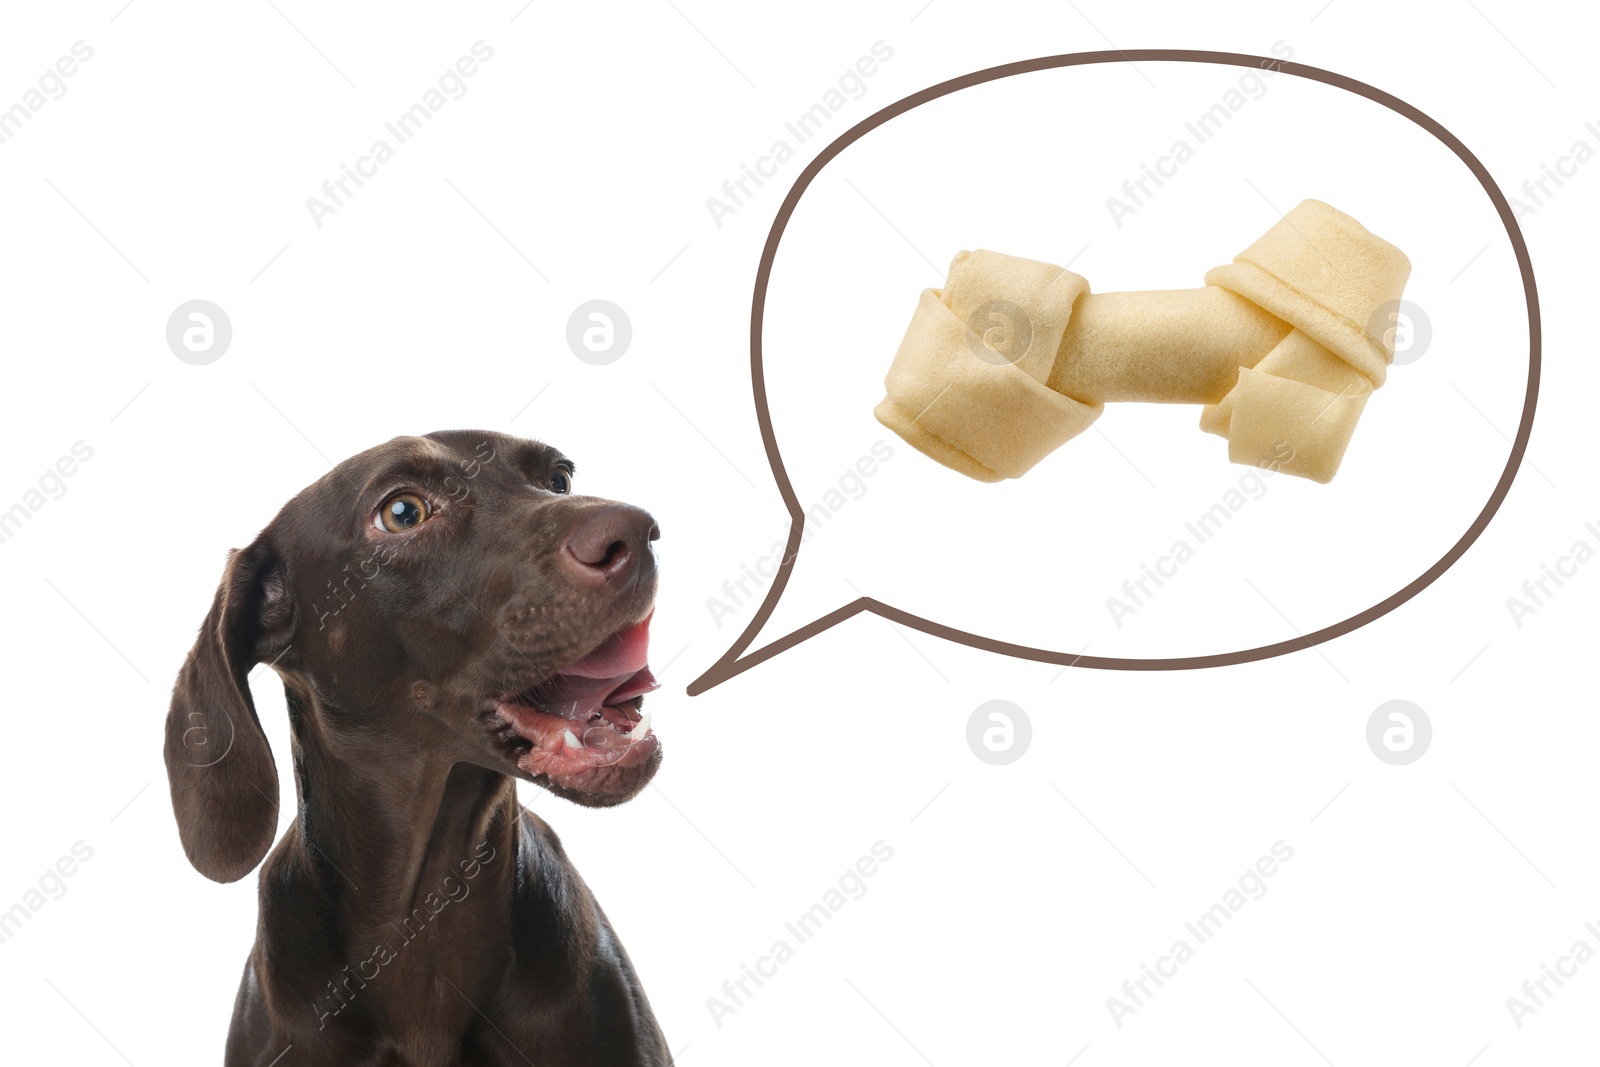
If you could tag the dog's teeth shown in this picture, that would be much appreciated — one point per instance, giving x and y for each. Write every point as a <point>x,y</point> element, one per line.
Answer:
<point>572,740</point>
<point>641,728</point>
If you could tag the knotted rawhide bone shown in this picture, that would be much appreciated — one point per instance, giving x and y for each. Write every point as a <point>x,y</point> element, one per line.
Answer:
<point>1014,357</point>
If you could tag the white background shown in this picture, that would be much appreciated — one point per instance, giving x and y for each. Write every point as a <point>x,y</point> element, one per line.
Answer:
<point>577,166</point>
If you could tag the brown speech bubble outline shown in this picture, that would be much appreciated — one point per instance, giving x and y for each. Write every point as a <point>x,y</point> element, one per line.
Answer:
<point>730,665</point>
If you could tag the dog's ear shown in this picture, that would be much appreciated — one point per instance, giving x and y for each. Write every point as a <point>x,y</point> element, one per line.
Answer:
<point>219,765</point>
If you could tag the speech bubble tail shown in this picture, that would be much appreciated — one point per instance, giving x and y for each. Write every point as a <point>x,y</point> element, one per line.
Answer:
<point>731,665</point>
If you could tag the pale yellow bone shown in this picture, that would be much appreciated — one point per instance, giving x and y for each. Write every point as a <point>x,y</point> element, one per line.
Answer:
<point>1014,357</point>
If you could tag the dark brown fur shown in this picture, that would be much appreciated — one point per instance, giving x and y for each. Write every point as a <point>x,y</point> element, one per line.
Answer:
<point>413,913</point>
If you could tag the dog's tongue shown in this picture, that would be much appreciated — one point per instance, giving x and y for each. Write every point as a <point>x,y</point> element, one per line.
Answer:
<point>621,654</point>
<point>612,673</point>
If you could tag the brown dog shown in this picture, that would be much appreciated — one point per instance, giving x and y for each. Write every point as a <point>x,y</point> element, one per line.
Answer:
<point>446,617</point>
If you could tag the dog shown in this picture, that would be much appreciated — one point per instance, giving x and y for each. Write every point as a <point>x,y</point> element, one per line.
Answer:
<point>446,617</point>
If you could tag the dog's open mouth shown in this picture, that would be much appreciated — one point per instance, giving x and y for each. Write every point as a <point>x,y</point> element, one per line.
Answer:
<point>587,714</point>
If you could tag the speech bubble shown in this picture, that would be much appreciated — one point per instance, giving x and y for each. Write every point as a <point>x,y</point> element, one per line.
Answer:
<point>738,659</point>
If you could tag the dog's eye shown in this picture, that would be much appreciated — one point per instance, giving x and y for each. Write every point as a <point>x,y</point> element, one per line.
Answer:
<point>561,482</point>
<point>402,512</point>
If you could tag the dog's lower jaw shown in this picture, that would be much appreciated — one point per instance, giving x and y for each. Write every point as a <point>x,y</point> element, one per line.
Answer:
<point>607,794</point>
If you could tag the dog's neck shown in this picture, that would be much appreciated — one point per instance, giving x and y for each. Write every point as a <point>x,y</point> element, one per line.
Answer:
<point>393,851</point>
<point>387,885</point>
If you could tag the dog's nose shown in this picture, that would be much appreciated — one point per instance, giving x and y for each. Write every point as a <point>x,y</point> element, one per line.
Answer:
<point>614,544</point>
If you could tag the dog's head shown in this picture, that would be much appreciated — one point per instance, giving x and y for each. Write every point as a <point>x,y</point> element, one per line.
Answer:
<point>440,598</point>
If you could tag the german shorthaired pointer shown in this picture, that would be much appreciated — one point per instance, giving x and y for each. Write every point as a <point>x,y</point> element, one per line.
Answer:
<point>446,618</point>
